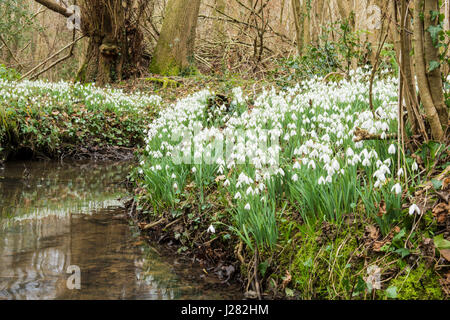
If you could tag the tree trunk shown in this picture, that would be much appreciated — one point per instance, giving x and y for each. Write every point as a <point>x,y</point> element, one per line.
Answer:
<point>115,41</point>
<point>299,20</point>
<point>423,51</point>
<point>174,52</point>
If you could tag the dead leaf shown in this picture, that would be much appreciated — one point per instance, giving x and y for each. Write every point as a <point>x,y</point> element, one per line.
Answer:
<point>220,178</point>
<point>441,211</point>
<point>379,244</point>
<point>373,232</point>
<point>286,280</point>
<point>381,208</point>
<point>445,253</point>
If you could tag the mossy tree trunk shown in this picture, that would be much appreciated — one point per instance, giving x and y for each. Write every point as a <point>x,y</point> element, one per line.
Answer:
<point>115,40</point>
<point>174,52</point>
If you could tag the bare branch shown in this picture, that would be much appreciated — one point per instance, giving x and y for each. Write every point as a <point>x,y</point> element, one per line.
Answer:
<point>55,7</point>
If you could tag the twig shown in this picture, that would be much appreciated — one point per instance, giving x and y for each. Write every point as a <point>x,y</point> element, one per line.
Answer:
<point>10,52</point>
<point>51,57</point>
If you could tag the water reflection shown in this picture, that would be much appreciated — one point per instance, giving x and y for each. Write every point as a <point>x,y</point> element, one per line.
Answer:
<point>56,215</point>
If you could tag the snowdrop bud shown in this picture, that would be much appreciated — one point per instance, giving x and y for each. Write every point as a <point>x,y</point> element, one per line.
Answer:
<point>247,207</point>
<point>194,170</point>
<point>414,166</point>
<point>366,162</point>
<point>397,188</point>
<point>211,229</point>
<point>350,152</point>
<point>321,181</point>
<point>414,209</point>
<point>391,149</point>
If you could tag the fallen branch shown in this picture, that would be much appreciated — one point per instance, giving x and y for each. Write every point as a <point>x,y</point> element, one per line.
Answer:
<point>361,135</point>
<point>154,224</point>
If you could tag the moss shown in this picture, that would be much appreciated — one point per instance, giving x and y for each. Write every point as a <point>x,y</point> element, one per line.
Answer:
<point>164,82</point>
<point>81,74</point>
<point>421,283</point>
<point>168,68</point>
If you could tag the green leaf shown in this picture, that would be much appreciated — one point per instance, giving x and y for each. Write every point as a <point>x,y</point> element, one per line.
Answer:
<point>403,252</point>
<point>263,267</point>
<point>441,243</point>
<point>434,32</point>
<point>436,184</point>
<point>289,292</point>
<point>433,65</point>
<point>308,263</point>
<point>391,292</point>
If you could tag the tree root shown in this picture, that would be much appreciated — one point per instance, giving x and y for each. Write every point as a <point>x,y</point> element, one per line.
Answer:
<point>361,135</point>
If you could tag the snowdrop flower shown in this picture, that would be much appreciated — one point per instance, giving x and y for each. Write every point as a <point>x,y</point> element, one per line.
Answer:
<point>350,152</point>
<point>397,188</point>
<point>194,170</point>
<point>414,166</point>
<point>391,149</point>
<point>173,176</point>
<point>295,178</point>
<point>366,162</point>
<point>414,209</point>
<point>311,164</point>
<point>226,183</point>
<point>247,207</point>
<point>400,172</point>
<point>211,229</point>
<point>237,195</point>
<point>321,180</point>
<point>175,186</point>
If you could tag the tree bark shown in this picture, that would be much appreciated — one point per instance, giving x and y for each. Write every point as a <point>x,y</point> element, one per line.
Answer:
<point>432,55</point>
<point>420,45</point>
<point>299,20</point>
<point>115,42</point>
<point>175,49</point>
<point>55,7</point>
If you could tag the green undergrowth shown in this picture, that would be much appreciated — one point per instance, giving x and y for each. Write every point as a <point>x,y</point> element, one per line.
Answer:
<point>315,213</point>
<point>336,262</point>
<point>56,118</point>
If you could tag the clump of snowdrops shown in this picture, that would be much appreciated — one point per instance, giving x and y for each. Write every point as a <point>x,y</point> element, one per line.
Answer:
<point>45,116</point>
<point>291,148</point>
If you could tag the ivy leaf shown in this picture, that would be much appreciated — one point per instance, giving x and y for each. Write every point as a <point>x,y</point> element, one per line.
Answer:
<point>289,292</point>
<point>403,252</point>
<point>391,292</point>
<point>441,243</point>
<point>434,32</point>
<point>433,65</point>
<point>436,184</point>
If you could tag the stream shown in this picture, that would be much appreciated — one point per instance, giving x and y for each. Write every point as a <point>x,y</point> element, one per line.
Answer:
<point>54,215</point>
